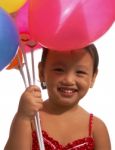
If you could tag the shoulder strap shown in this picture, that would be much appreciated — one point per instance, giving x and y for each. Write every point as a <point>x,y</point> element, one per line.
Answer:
<point>90,124</point>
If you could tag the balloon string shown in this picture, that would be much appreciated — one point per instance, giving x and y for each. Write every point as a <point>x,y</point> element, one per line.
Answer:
<point>32,44</point>
<point>33,65</point>
<point>37,117</point>
<point>21,71</point>
<point>39,131</point>
<point>26,64</point>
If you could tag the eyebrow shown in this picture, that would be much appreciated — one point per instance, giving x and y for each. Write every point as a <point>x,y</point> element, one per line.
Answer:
<point>63,65</point>
<point>58,64</point>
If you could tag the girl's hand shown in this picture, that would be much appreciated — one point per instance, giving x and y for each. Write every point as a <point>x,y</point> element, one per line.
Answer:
<point>30,102</point>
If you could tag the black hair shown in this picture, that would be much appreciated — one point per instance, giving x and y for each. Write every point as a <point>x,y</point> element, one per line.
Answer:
<point>93,52</point>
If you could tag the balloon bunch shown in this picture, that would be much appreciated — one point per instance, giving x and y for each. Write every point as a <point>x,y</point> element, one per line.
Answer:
<point>9,35</point>
<point>19,12</point>
<point>70,24</point>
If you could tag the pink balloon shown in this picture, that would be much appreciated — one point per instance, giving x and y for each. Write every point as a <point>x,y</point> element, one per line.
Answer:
<point>29,43</point>
<point>67,24</point>
<point>21,19</point>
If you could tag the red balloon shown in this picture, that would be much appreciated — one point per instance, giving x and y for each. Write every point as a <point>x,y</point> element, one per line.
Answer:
<point>67,24</point>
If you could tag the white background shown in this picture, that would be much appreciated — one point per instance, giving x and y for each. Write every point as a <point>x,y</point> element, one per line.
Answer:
<point>100,100</point>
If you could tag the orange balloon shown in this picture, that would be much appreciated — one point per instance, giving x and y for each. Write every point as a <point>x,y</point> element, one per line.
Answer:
<point>15,62</point>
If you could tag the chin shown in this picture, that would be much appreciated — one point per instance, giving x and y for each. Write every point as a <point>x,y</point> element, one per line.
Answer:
<point>67,103</point>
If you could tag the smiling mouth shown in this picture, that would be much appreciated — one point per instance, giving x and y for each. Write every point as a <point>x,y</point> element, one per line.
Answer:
<point>67,91</point>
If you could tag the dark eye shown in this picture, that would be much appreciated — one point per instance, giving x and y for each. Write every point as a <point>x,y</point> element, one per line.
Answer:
<point>81,72</point>
<point>58,69</point>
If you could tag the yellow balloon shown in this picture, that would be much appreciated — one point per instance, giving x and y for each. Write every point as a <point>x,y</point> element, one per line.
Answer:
<point>11,5</point>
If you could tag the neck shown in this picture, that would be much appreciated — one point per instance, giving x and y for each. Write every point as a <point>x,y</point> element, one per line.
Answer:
<point>53,108</point>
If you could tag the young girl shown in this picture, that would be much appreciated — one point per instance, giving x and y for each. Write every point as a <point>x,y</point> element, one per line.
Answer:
<point>65,124</point>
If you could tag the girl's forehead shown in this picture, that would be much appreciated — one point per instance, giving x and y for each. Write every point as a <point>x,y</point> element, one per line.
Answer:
<point>73,54</point>
<point>72,59</point>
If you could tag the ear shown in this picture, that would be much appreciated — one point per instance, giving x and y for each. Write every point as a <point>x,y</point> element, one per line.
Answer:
<point>93,78</point>
<point>41,71</point>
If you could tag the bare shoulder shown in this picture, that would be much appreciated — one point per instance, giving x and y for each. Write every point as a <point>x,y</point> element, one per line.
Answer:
<point>101,135</point>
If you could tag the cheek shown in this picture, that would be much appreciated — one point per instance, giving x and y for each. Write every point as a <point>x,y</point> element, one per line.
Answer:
<point>84,83</point>
<point>51,77</point>
<point>50,81</point>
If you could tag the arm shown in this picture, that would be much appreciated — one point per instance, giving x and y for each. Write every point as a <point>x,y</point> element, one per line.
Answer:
<point>20,134</point>
<point>101,135</point>
<point>20,137</point>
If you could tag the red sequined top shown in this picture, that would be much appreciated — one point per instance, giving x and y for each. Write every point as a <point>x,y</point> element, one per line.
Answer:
<point>86,143</point>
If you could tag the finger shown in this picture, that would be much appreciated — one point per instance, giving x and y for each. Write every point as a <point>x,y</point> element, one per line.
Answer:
<point>33,88</point>
<point>38,105</point>
<point>36,94</point>
<point>37,100</point>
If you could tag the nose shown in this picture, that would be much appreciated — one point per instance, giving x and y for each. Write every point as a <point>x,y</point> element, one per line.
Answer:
<point>68,79</point>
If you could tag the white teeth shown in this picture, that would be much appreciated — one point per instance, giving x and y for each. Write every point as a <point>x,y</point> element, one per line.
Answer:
<point>67,90</point>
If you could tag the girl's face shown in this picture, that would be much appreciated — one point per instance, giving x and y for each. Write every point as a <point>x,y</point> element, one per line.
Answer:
<point>68,76</point>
